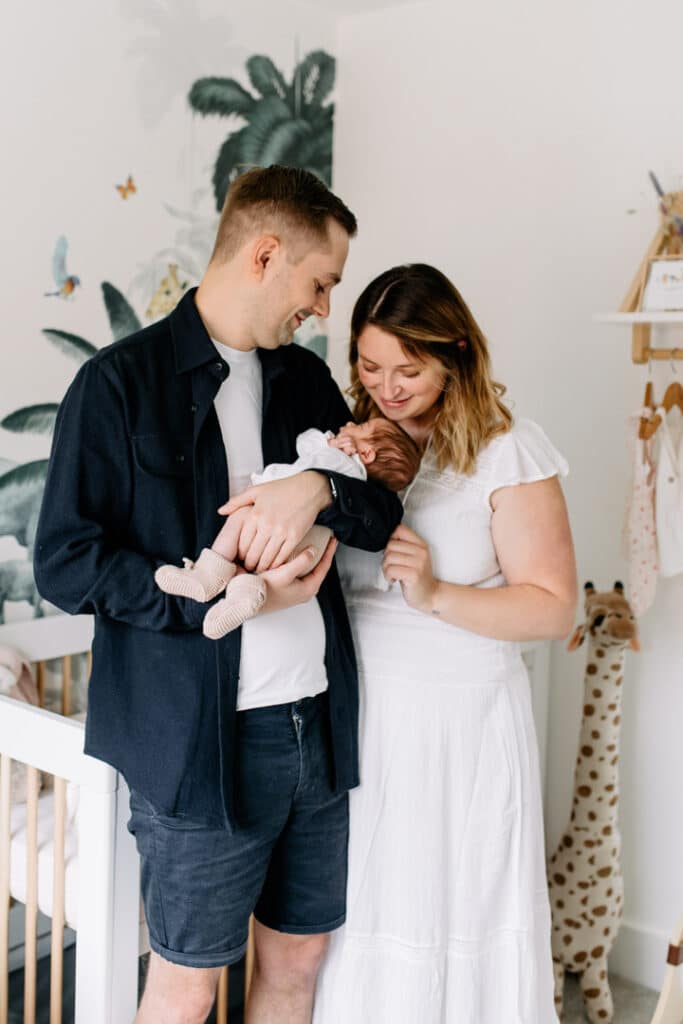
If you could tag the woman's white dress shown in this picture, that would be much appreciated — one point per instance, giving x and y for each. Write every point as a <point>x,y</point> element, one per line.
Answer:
<point>448,919</point>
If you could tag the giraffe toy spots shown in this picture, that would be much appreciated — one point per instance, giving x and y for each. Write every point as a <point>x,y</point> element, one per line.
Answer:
<point>584,874</point>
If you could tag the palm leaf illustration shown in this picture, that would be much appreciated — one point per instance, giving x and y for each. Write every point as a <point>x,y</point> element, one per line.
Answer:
<point>221,96</point>
<point>286,123</point>
<point>71,345</point>
<point>33,419</point>
<point>265,77</point>
<point>21,490</point>
<point>123,319</point>
<point>229,163</point>
<point>314,78</point>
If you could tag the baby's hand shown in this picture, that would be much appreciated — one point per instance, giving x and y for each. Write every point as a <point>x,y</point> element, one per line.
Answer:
<point>344,441</point>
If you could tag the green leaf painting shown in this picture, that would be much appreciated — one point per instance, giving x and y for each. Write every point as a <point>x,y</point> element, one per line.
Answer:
<point>286,122</point>
<point>21,487</point>
<point>21,490</point>
<point>17,584</point>
<point>34,419</point>
<point>122,317</point>
<point>70,344</point>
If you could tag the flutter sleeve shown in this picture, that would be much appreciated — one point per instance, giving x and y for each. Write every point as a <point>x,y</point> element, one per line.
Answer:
<point>523,455</point>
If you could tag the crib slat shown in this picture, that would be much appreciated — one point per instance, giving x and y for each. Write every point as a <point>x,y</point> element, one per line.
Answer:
<point>31,940</point>
<point>5,808</point>
<point>249,963</point>
<point>40,682</point>
<point>222,998</point>
<point>58,887</point>
<point>66,685</point>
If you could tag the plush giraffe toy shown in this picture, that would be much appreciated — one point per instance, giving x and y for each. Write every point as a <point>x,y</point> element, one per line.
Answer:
<point>584,875</point>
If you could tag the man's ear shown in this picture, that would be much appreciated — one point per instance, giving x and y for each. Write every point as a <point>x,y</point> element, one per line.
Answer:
<point>263,251</point>
<point>367,454</point>
<point>577,637</point>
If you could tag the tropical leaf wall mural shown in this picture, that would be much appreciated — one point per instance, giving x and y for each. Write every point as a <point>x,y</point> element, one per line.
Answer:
<point>253,113</point>
<point>284,122</point>
<point>21,487</point>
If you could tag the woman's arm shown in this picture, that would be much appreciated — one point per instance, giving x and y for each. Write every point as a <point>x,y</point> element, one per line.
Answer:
<point>533,542</point>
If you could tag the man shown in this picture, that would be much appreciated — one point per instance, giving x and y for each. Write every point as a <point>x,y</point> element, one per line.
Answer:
<point>238,753</point>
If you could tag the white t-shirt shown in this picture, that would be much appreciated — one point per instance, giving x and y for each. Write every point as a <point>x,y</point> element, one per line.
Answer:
<point>283,654</point>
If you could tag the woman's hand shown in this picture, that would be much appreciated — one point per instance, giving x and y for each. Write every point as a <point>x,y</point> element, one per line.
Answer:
<point>408,560</point>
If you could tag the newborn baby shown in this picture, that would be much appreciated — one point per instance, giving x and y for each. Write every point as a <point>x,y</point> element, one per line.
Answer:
<point>378,448</point>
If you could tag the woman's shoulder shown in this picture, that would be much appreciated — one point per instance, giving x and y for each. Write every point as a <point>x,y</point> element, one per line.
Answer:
<point>523,454</point>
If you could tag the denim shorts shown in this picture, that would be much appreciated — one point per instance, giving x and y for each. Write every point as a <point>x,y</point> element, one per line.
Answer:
<point>286,862</point>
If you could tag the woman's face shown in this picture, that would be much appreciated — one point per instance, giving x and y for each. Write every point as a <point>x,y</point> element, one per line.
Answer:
<point>402,387</point>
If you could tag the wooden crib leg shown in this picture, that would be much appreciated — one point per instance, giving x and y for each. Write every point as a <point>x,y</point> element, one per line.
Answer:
<point>31,918</point>
<point>66,685</point>
<point>5,808</point>
<point>249,962</point>
<point>222,998</point>
<point>40,682</point>
<point>58,887</point>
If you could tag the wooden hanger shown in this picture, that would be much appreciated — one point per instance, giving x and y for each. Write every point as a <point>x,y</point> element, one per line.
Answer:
<point>672,396</point>
<point>645,421</point>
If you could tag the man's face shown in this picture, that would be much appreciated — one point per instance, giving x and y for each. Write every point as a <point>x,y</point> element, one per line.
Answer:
<point>296,290</point>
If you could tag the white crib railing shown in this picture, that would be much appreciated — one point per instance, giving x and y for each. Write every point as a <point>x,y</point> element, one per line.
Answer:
<point>109,933</point>
<point>108,929</point>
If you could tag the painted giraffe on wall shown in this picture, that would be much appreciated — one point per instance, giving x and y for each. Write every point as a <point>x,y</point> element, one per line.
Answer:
<point>584,874</point>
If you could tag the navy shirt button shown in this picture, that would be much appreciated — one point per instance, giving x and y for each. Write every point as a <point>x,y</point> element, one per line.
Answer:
<point>180,457</point>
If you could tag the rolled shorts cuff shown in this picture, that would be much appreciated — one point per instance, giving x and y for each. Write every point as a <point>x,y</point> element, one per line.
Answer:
<point>301,929</point>
<point>226,959</point>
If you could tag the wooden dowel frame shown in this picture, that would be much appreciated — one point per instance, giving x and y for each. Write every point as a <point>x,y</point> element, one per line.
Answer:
<point>222,998</point>
<point>5,838</point>
<point>58,895</point>
<point>31,905</point>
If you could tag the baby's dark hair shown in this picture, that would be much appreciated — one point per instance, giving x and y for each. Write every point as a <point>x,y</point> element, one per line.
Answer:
<point>397,456</point>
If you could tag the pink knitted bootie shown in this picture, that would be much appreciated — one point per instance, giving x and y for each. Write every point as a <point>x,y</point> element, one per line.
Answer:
<point>244,597</point>
<point>200,580</point>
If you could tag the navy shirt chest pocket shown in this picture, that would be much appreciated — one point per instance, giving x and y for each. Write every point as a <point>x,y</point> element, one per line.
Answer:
<point>163,495</point>
<point>163,456</point>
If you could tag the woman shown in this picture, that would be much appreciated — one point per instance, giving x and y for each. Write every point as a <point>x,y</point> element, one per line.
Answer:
<point>447,913</point>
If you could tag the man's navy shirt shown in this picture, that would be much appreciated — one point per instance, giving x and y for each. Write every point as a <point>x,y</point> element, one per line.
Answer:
<point>137,471</point>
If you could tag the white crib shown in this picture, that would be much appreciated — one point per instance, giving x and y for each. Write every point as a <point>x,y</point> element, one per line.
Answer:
<point>87,875</point>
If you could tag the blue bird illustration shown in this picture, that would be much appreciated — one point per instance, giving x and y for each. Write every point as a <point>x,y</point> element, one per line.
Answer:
<point>66,283</point>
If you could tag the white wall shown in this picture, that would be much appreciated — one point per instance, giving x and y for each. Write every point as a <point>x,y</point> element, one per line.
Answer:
<point>506,144</point>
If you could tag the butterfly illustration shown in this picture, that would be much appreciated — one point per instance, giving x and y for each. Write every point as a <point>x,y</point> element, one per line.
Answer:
<point>66,283</point>
<point>128,189</point>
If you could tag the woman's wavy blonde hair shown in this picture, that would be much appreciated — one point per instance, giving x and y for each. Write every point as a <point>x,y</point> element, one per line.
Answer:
<point>419,306</point>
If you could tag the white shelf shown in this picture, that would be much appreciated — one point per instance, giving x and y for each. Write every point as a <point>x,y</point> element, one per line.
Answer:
<point>639,318</point>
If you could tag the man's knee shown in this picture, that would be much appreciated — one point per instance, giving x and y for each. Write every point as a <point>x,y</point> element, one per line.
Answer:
<point>290,961</point>
<point>177,995</point>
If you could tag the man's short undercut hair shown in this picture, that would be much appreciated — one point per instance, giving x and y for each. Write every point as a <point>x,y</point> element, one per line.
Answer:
<point>288,202</point>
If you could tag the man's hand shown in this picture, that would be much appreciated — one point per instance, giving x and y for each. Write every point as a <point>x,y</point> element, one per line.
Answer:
<point>284,587</point>
<point>282,513</point>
